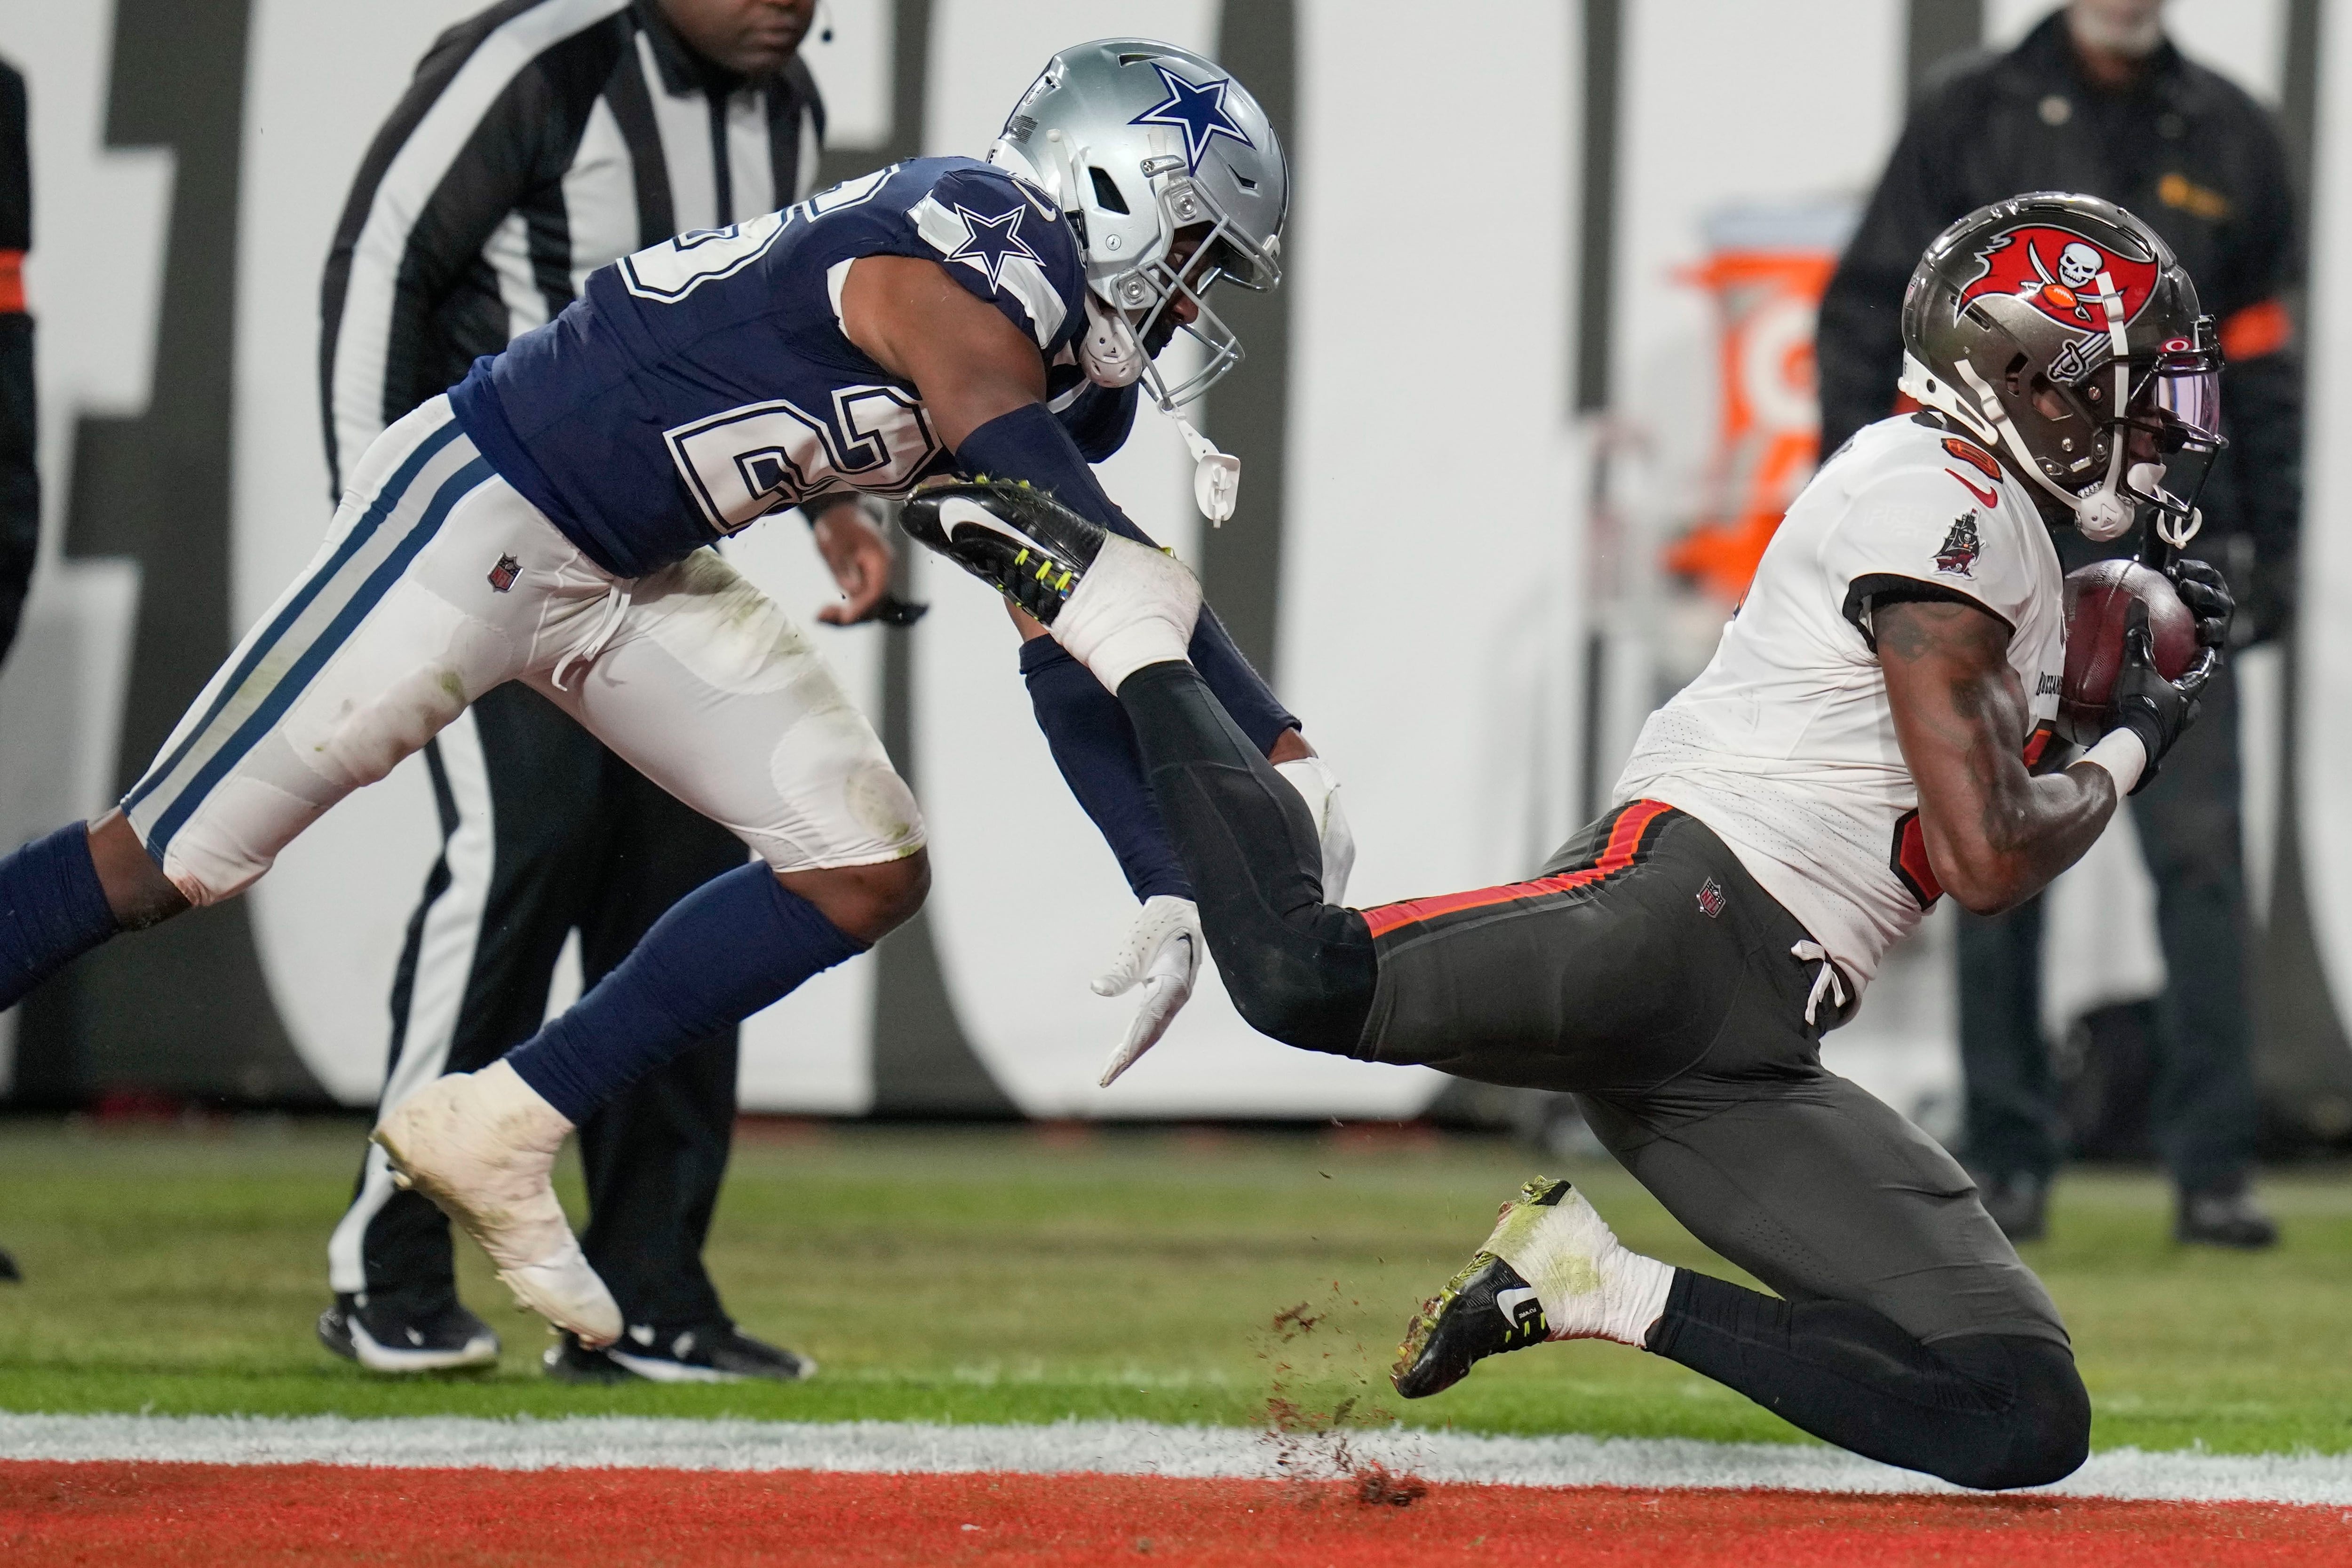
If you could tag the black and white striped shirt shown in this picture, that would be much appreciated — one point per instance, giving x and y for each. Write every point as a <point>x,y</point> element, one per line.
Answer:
<point>539,140</point>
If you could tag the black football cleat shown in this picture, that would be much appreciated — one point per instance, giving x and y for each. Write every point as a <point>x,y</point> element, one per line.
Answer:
<point>714,1353</point>
<point>1011,535</point>
<point>2225,1217</point>
<point>385,1336</point>
<point>1487,1309</point>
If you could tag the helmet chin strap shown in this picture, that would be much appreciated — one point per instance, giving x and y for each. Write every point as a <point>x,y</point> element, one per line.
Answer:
<point>1216,476</point>
<point>1111,356</point>
<point>1107,350</point>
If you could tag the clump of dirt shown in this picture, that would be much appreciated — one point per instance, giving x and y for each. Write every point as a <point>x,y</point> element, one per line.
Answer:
<point>1292,1322</point>
<point>1313,1447</point>
<point>1377,1486</point>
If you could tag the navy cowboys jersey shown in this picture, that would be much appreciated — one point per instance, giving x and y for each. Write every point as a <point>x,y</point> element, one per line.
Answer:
<point>704,383</point>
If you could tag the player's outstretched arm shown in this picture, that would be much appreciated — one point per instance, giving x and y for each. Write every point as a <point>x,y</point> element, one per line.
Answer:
<point>1996,834</point>
<point>983,382</point>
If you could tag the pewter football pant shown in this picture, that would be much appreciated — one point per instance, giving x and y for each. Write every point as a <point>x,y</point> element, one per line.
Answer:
<point>1643,969</point>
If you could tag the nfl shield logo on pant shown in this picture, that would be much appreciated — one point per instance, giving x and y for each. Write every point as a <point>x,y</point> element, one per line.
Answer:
<point>1711,899</point>
<point>503,575</point>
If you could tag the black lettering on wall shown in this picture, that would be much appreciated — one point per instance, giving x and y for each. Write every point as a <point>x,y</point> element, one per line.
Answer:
<point>182,1008</point>
<point>1248,414</point>
<point>1938,30</point>
<point>1596,271</point>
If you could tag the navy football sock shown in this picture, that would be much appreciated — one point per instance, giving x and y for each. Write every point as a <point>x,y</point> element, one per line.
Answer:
<point>52,910</point>
<point>722,953</point>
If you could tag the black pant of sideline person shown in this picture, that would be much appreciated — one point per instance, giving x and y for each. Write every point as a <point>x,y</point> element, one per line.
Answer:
<point>2204,1106</point>
<point>576,839</point>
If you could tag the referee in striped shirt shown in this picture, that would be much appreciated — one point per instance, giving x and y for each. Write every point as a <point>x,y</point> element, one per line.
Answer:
<point>539,140</point>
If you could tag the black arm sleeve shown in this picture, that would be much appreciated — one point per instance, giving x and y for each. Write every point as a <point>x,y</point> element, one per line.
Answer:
<point>1093,743</point>
<point>20,481</point>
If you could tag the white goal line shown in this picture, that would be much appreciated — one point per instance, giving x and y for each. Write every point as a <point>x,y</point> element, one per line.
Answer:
<point>1109,1447</point>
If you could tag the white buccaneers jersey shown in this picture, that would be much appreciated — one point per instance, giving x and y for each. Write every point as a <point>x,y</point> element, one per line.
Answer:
<point>1785,745</point>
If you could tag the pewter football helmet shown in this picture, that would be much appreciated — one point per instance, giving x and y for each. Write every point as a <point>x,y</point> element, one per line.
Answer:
<point>1137,140</point>
<point>2053,327</point>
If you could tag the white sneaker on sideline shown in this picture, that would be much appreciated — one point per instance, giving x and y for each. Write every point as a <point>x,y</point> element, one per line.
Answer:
<point>482,1147</point>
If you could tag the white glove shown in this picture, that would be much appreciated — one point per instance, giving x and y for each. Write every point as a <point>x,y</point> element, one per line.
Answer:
<point>1319,788</point>
<point>1162,954</point>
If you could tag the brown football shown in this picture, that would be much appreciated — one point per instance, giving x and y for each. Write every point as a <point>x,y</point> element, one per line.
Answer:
<point>2097,599</point>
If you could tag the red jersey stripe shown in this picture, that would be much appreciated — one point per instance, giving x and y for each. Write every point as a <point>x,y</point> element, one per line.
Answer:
<point>1624,838</point>
<point>12,282</point>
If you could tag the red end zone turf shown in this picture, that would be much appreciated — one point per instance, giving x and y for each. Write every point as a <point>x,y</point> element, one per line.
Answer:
<point>212,1515</point>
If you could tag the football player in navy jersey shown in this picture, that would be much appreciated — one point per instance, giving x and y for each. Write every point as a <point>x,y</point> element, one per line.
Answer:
<point>547,521</point>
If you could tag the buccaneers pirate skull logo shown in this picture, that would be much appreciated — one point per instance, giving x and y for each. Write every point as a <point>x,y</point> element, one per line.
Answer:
<point>2057,272</point>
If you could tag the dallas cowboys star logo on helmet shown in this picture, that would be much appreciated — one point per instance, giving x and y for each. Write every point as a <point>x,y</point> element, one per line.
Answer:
<point>992,242</point>
<point>1198,111</point>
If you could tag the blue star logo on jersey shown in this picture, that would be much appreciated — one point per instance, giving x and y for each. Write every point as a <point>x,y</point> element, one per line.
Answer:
<point>992,242</point>
<point>1197,110</point>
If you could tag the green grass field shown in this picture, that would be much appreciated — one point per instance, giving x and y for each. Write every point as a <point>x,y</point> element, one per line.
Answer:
<point>1029,1274</point>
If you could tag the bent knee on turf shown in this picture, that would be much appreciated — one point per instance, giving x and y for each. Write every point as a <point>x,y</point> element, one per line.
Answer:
<point>2050,1420</point>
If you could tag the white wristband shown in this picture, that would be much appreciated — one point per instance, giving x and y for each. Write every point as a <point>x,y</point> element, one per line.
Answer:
<point>2125,756</point>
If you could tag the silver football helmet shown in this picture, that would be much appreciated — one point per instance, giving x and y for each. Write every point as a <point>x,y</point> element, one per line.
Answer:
<point>1137,141</point>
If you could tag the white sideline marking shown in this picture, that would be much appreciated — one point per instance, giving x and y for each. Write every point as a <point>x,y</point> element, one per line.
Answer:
<point>1110,1448</point>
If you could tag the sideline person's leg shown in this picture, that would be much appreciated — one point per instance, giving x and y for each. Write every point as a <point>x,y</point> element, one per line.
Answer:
<point>654,1157</point>
<point>2013,1132</point>
<point>515,790</point>
<point>2204,1109</point>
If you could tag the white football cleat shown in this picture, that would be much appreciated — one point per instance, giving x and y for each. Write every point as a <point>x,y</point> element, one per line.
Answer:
<point>1591,1286</point>
<point>1134,606</point>
<point>1551,1269</point>
<point>482,1147</point>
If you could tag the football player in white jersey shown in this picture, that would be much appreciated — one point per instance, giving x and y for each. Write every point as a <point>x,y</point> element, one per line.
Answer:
<point>1874,730</point>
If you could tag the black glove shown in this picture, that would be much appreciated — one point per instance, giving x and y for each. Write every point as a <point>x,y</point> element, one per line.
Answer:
<point>2206,592</point>
<point>2156,710</point>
